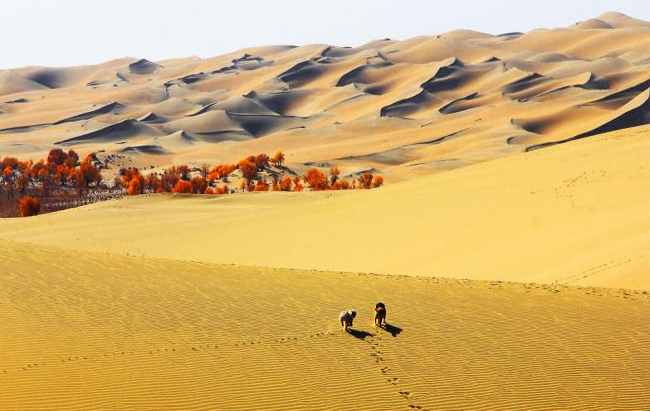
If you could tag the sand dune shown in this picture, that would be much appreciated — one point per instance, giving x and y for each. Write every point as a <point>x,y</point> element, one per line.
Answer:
<point>11,83</point>
<point>570,214</point>
<point>143,66</point>
<point>296,98</point>
<point>179,335</point>
<point>117,132</point>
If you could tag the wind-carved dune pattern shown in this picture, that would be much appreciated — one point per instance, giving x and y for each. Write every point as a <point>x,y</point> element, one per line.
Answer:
<point>95,331</point>
<point>378,102</point>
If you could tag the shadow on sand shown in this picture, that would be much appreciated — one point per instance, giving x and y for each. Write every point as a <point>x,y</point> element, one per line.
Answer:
<point>392,329</point>
<point>360,334</point>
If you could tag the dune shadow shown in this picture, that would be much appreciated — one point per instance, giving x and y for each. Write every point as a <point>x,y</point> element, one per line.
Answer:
<point>392,329</point>
<point>360,334</point>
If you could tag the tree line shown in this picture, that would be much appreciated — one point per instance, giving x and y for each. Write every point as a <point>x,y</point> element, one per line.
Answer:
<point>63,180</point>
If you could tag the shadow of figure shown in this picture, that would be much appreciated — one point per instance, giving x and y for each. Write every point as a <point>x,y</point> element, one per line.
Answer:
<point>360,334</point>
<point>392,329</point>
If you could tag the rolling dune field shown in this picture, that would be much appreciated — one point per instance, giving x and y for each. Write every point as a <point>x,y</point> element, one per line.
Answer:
<point>401,108</point>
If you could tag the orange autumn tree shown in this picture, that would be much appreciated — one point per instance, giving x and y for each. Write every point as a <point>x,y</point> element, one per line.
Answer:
<point>365,180</point>
<point>261,161</point>
<point>341,185</point>
<point>221,171</point>
<point>182,186</point>
<point>133,181</point>
<point>248,170</point>
<point>21,184</point>
<point>153,182</point>
<point>134,188</point>
<point>261,185</point>
<point>286,184</point>
<point>57,156</point>
<point>378,181</point>
<point>278,159</point>
<point>334,174</point>
<point>315,180</point>
<point>204,170</point>
<point>90,173</point>
<point>72,159</point>
<point>199,185</point>
<point>29,206</point>
<point>222,190</point>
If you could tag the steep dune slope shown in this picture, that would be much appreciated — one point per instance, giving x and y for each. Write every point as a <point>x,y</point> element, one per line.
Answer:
<point>572,214</point>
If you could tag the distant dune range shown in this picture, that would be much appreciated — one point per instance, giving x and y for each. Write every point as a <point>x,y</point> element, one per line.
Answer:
<point>403,108</point>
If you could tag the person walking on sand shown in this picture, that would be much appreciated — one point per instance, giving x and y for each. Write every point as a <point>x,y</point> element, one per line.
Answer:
<point>346,317</point>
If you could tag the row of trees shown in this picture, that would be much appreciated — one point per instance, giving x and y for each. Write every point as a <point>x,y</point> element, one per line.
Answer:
<point>205,180</point>
<point>60,170</point>
<point>59,181</point>
<point>64,180</point>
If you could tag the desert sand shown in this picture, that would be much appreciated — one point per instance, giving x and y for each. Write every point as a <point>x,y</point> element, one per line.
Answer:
<point>575,213</point>
<point>510,243</point>
<point>122,305</point>
<point>96,331</point>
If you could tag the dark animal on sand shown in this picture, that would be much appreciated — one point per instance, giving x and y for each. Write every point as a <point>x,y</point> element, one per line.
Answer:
<point>380,314</point>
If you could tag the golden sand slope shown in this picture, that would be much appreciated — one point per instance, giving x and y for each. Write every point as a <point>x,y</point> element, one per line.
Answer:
<point>576,213</point>
<point>94,331</point>
<point>403,108</point>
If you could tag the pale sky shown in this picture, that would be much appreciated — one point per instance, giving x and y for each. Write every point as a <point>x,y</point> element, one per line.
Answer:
<point>73,32</point>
